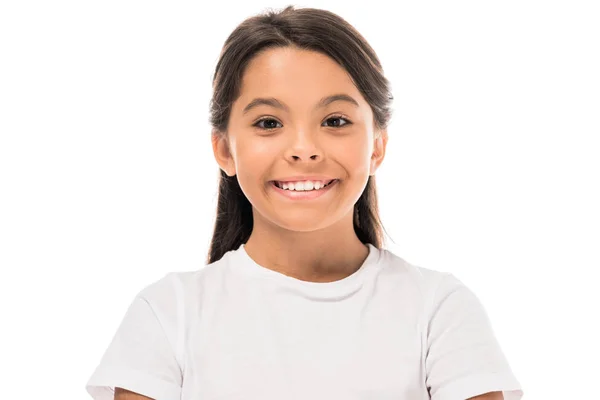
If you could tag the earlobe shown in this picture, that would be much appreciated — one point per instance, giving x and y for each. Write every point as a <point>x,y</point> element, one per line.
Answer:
<point>222,153</point>
<point>379,148</point>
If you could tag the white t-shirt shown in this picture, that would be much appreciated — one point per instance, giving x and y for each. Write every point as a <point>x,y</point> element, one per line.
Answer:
<point>236,330</point>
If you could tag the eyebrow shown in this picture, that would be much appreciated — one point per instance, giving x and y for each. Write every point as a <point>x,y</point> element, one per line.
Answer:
<point>273,102</point>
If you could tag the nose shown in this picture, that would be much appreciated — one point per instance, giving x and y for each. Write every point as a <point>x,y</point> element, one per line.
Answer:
<point>312,157</point>
<point>304,148</point>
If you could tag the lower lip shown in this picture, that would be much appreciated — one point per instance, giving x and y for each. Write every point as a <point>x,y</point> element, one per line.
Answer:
<point>304,195</point>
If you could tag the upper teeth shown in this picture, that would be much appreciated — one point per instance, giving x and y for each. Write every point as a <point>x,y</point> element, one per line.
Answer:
<point>302,185</point>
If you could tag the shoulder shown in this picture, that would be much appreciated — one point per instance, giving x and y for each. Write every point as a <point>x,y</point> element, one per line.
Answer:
<point>431,291</point>
<point>416,289</point>
<point>176,291</point>
<point>176,283</point>
<point>424,281</point>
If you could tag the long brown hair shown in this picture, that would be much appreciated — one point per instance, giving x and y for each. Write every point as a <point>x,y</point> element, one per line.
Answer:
<point>306,29</point>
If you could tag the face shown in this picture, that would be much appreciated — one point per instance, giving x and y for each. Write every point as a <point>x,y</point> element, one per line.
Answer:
<point>268,143</point>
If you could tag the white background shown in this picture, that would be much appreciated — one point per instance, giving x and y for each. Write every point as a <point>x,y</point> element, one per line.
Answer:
<point>108,181</point>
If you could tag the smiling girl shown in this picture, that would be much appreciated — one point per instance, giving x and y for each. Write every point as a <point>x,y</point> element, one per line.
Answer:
<point>299,299</point>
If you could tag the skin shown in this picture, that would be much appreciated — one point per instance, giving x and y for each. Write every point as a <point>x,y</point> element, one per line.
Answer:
<point>309,240</point>
<point>123,394</point>
<point>488,396</point>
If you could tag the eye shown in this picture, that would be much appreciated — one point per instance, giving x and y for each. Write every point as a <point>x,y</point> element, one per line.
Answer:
<point>268,119</point>
<point>339,117</point>
<point>269,122</point>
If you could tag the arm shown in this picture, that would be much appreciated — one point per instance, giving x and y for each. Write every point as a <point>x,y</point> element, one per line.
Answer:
<point>487,396</point>
<point>141,356</point>
<point>124,394</point>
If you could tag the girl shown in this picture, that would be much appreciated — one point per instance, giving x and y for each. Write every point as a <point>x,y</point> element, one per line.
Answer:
<point>299,300</point>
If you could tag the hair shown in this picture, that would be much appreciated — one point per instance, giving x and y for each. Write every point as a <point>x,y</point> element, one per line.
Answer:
<point>306,29</point>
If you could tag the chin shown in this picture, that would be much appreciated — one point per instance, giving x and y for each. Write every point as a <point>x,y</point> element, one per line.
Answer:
<point>301,224</point>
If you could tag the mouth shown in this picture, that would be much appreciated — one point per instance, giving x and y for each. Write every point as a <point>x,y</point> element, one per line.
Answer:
<point>304,194</point>
<point>280,185</point>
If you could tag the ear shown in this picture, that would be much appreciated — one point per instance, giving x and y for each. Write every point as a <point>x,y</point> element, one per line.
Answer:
<point>380,144</point>
<point>222,152</point>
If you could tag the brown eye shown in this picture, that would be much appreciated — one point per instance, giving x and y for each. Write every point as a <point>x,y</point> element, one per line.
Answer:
<point>268,124</point>
<point>338,118</point>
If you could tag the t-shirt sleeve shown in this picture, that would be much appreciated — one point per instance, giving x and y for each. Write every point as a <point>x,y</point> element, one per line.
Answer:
<point>140,358</point>
<point>464,358</point>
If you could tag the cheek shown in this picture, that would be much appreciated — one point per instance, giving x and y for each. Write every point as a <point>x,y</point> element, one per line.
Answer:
<point>253,153</point>
<point>253,160</point>
<point>354,157</point>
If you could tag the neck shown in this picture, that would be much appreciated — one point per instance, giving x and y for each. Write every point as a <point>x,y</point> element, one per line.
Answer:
<point>324,255</point>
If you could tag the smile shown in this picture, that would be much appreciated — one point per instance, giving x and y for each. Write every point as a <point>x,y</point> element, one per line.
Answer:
<point>304,194</point>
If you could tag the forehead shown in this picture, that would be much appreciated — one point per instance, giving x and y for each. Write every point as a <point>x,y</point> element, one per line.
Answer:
<point>295,76</point>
